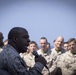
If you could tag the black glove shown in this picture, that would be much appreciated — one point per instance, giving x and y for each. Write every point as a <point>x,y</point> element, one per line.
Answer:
<point>41,60</point>
<point>74,72</point>
<point>57,71</point>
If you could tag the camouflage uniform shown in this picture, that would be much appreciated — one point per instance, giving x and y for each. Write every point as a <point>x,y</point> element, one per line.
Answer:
<point>55,54</point>
<point>11,61</point>
<point>23,54</point>
<point>67,63</point>
<point>30,60</point>
<point>46,55</point>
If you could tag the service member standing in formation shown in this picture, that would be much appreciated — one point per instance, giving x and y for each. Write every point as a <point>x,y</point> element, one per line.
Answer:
<point>29,58</point>
<point>67,61</point>
<point>45,52</point>
<point>57,50</point>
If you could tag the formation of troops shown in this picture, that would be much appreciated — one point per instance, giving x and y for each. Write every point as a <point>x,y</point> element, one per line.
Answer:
<point>62,55</point>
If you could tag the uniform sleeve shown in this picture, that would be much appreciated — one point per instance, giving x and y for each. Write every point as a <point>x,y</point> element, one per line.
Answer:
<point>17,67</point>
<point>54,65</point>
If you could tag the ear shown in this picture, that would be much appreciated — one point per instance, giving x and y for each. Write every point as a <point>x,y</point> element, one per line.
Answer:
<point>15,39</point>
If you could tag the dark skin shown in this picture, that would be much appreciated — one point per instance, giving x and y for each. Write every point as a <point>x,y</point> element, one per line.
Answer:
<point>1,44</point>
<point>20,41</point>
<point>1,40</point>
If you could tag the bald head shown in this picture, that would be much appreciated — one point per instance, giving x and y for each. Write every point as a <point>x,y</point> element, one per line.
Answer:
<point>60,38</point>
<point>59,42</point>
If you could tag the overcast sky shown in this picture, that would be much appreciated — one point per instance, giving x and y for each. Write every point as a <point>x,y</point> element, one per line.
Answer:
<point>48,18</point>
